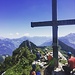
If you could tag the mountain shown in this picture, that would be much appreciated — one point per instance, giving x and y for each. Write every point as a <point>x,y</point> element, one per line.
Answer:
<point>63,46</point>
<point>69,40</point>
<point>25,44</point>
<point>31,46</point>
<point>47,43</point>
<point>36,40</point>
<point>2,58</point>
<point>66,48</point>
<point>20,63</point>
<point>7,46</point>
<point>21,60</point>
<point>2,37</point>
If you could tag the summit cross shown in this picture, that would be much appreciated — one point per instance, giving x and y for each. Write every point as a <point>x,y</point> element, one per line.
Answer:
<point>54,23</point>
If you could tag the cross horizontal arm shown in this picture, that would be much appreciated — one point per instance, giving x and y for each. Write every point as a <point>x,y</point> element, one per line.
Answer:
<point>66,22</point>
<point>53,23</point>
<point>38,24</point>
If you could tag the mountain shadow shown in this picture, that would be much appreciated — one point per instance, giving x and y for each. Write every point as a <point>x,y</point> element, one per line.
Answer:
<point>66,48</point>
<point>63,46</point>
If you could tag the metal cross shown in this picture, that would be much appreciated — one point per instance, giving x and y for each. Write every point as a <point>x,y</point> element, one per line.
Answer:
<point>54,23</point>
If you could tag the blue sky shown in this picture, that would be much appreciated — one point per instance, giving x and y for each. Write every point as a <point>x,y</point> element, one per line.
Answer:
<point>16,17</point>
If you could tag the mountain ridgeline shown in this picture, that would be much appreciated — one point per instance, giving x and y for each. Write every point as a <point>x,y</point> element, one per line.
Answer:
<point>32,47</point>
<point>20,61</point>
<point>66,48</point>
<point>7,46</point>
<point>22,57</point>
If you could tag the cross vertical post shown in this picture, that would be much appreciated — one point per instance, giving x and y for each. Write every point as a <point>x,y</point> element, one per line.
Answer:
<point>55,30</point>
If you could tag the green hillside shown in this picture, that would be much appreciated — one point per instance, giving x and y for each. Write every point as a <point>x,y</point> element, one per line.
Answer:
<point>20,62</point>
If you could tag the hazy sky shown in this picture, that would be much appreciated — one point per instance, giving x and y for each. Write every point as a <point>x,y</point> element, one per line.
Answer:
<point>16,17</point>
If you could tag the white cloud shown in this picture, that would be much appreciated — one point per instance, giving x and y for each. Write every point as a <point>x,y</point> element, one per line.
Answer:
<point>26,34</point>
<point>17,33</point>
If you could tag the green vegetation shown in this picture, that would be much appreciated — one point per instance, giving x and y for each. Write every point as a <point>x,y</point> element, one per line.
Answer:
<point>21,68</point>
<point>22,60</point>
<point>38,68</point>
<point>63,61</point>
<point>20,63</point>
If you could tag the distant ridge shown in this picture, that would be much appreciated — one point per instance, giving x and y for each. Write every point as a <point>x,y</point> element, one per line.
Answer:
<point>7,46</point>
<point>66,47</point>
